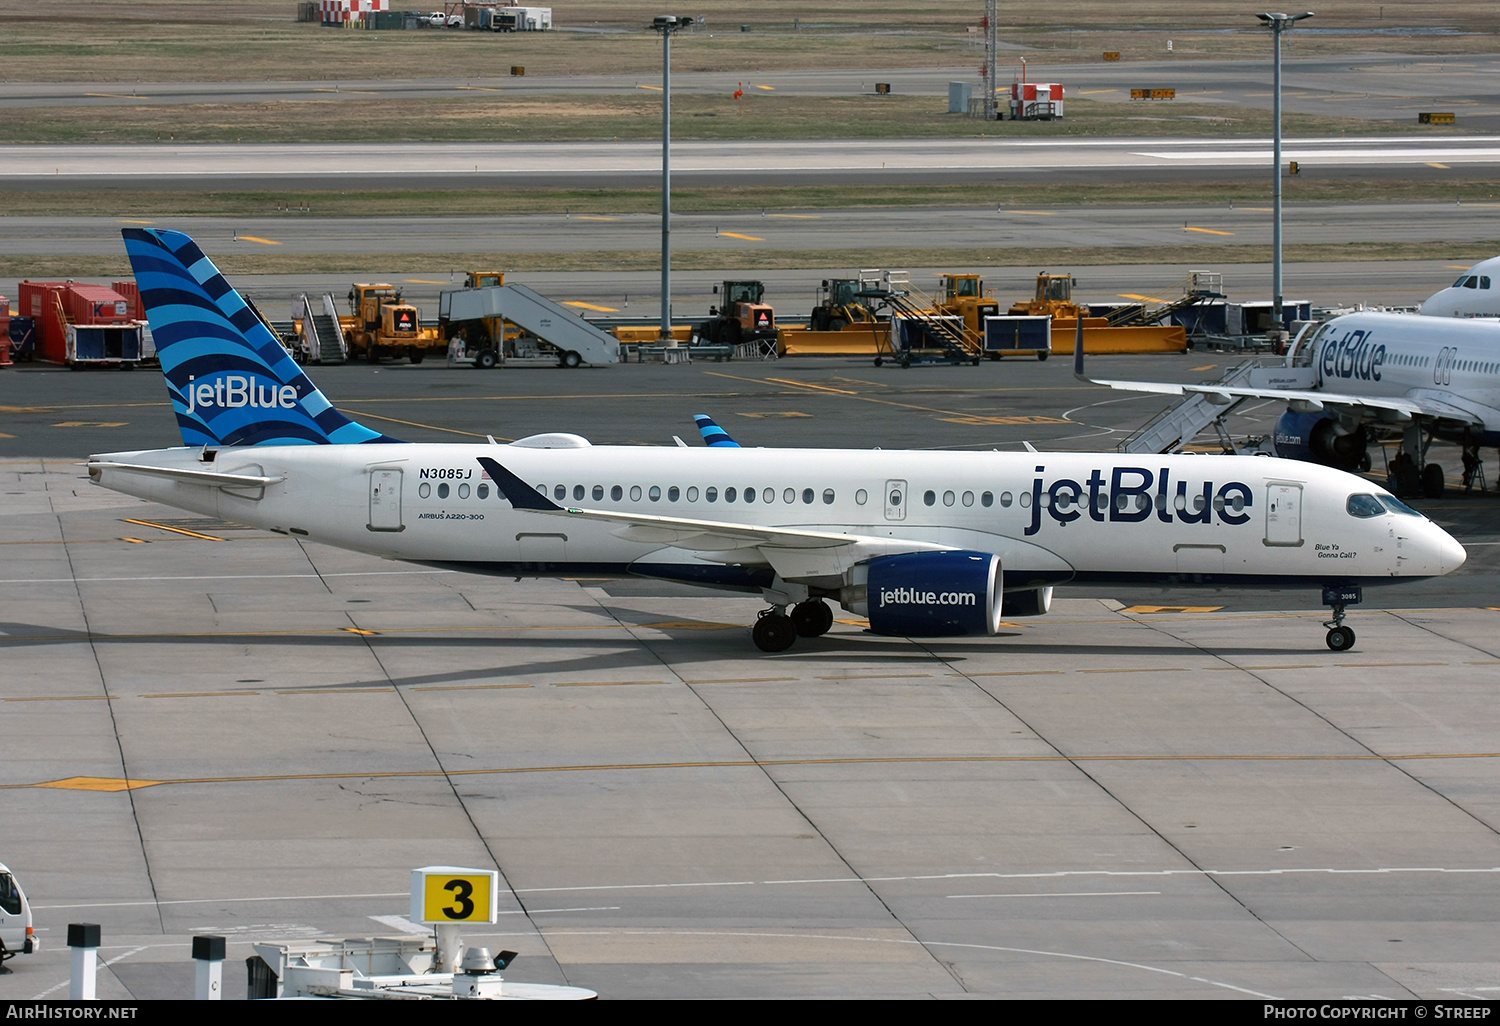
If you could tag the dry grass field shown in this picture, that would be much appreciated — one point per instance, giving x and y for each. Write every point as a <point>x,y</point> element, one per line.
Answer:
<point>250,40</point>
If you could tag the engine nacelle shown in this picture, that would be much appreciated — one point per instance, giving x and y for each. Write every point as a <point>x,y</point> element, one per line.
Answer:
<point>927,594</point>
<point>1319,438</point>
<point>1031,602</point>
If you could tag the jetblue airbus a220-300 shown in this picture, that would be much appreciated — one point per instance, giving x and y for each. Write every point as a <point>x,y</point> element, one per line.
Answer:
<point>924,544</point>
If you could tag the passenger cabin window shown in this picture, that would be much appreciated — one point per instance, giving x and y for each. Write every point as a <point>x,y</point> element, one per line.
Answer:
<point>1364,506</point>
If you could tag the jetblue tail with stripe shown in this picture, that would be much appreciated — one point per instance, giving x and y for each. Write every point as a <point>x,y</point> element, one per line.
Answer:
<point>921,543</point>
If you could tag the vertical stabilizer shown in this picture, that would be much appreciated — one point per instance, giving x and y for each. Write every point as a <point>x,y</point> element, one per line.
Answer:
<point>230,379</point>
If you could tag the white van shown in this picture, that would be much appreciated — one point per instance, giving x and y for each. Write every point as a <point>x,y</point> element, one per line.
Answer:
<point>16,935</point>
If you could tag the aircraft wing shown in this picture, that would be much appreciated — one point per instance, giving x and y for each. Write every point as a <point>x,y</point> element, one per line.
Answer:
<point>793,552</point>
<point>1310,399</point>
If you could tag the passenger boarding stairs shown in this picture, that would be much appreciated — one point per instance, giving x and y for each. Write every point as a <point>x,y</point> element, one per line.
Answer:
<point>942,336</point>
<point>557,325</point>
<point>1197,288</point>
<point>1176,427</point>
<point>322,338</point>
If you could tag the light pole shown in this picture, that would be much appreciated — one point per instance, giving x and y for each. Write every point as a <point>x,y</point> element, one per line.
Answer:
<point>1277,23</point>
<point>667,24</point>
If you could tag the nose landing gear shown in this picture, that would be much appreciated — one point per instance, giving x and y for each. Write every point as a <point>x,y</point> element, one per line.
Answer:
<point>1340,638</point>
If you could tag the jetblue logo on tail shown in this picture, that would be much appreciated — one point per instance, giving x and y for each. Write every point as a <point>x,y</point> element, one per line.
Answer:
<point>231,381</point>
<point>233,391</point>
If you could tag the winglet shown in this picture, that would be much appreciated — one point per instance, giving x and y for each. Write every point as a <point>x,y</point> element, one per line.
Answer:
<point>713,435</point>
<point>520,494</point>
<point>1078,353</point>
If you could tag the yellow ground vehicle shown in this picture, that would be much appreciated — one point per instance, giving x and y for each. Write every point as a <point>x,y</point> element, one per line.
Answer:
<point>380,325</point>
<point>963,295</point>
<point>840,305</point>
<point>1054,298</point>
<point>740,315</point>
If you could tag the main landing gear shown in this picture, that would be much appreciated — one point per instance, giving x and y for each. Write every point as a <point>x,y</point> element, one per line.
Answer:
<point>1340,638</point>
<point>776,630</point>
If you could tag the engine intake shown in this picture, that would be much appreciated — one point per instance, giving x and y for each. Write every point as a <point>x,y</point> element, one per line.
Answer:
<point>1319,438</point>
<point>928,594</point>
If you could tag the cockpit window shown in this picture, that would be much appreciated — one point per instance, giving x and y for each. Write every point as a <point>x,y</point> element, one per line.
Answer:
<point>1395,505</point>
<point>1364,506</point>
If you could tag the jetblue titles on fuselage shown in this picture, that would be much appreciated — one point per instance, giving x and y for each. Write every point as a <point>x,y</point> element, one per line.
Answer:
<point>1127,498</point>
<point>1354,355</point>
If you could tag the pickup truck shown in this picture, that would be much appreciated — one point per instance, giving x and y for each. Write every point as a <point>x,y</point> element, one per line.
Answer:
<point>16,935</point>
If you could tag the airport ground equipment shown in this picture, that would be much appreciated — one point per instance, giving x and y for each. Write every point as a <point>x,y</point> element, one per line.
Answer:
<point>844,323</point>
<point>1177,426</point>
<point>478,314</point>
<point>17,935</point>
<point>921,329</point>
<point>1198,289</point>
<point>1054,298</point>
<point>840,305</point>
<point>78,324</point>
<point>1036,101</point>
<point>320,336</point>
<point>440,967</point>
<point>380,324</point>
<point>740,316</point>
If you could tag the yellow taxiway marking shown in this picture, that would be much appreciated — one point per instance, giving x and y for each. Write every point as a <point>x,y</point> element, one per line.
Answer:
<point>654,89</point>
<point>130,220</point>
<point>1091,92</point>
<point>360,631</point>
<point>805,384</point>
<point>1205,367</point>
<point>470,687</point>
<point>4,435</point>
<point>1138,669</point>
<point>1032,213</point>
<point>203,694</point>
<point>109,784</point>
<point>875,676</point>
<point>799,217</point>
<point>257,238</point>
<point>593,217</point>
<point>1205,231</point>
<point>742,680</point>
<point>1008,673</point>
<point>411,423</point>
<point>92,423</point>
<point>424,281</point>
<point>1457,267</point>
<point>604,683</point>
<point>174,530</point>
<point>1171,609</point>
<point>338,691</point>
<point>478,89</point>
<point>1433,163</point>
<point>98,784</point>
<point>1391,664</point>
<point>1258,210</point>
<point>769,89</point>
<point>1140,298</point>
<point>134,541</point>
<point>737,235</point>
<point>580,304</point>
<point>119,96</point>
<point>989,421</point>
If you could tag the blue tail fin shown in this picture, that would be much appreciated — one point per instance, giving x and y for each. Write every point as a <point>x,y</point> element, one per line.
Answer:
<point>230,380</point>
<point>713,435</point>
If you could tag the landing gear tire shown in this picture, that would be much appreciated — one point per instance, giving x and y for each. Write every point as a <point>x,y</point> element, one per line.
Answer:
<point>774,632</point>
<point>571,359</point>
<point>487,359</point>
<point>812,618</point>
<point>1432,481</point>
<point>1341,639</point>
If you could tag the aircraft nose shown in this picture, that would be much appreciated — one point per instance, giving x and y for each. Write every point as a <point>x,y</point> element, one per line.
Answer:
<point>1452,554</point>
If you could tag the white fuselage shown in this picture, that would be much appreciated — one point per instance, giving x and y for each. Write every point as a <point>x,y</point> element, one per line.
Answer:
<point>1051,517</point>
<point>1456,363</point>
<point>1475,294</point>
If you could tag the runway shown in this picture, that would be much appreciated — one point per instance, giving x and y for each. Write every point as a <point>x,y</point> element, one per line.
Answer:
<point>211,729</point>
<point>837,161</point>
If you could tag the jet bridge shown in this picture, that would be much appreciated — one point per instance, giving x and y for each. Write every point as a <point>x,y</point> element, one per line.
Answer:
<point>575,339</point>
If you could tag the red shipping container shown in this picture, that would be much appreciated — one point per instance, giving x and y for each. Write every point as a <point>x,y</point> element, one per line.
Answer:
<point>95,304</point>
<point>132,292</point>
